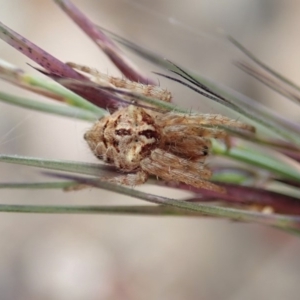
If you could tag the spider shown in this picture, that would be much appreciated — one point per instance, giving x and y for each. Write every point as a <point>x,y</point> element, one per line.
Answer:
<point>140,142</point>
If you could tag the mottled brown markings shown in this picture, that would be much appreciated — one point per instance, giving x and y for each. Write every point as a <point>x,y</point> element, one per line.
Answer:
<point>146,118</point>
<point>103,134</point>
<point>116,145</point>
<point>123,132</point>
<point>117,82</point>
<point>117,121</point>
<point>150,134</point>
<point>146,149</point>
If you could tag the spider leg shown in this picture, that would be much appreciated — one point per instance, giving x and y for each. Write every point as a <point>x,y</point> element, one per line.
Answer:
<point>172,118</point>
<point>192,141</point>
<point>92,71</point>
<point>170,167</point>
<point>131,179</point>
<point>188,141</point>
<point>143,89</point>
<point>193,130</point>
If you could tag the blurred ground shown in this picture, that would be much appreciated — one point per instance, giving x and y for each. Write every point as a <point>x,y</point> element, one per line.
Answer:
<point>113,257</point>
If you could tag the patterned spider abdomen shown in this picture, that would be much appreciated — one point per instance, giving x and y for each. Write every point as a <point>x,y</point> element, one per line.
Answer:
<point>124,138</point>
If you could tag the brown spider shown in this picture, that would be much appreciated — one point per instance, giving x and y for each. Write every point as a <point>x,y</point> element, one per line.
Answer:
<point>141,142</point>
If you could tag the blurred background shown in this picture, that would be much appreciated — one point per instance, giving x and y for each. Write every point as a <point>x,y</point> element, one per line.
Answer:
<point>128,257</point>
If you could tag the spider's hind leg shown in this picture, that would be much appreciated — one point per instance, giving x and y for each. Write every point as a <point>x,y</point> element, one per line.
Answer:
<point>191,141</point>
<point>131,179</point>
<point>170,167</point>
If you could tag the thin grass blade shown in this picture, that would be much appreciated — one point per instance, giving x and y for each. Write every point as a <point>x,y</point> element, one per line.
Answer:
<point>261,64</point>
<point>257,158</point>
<point>256,197</point>
<point>236,175</point>
<point>59,110</point>
<point>148,210</point>
<point>272,83</point>
<point>38,185</point>
<point>45,87</point>
<point>54,67</point>
<point>37,54</point>
<point>280,221</point>
<point>59,165</point>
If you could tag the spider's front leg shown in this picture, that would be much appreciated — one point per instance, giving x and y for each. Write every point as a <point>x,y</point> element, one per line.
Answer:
<point>91,71</point>
<point>170,167</point>
<point>143,89</point>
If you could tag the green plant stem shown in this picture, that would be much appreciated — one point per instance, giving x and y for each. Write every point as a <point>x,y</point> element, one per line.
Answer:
<point>257,159</point>
<point>60,110</point>
<point>70,97</point>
